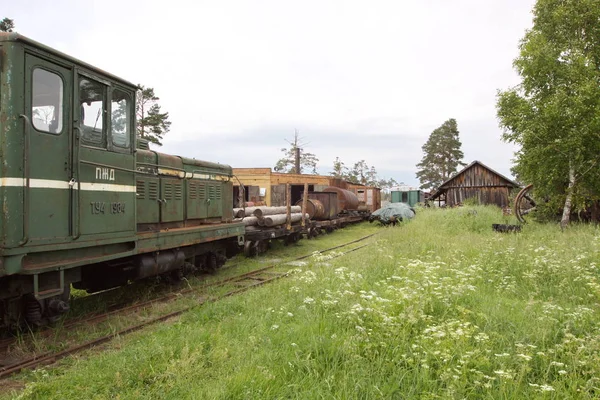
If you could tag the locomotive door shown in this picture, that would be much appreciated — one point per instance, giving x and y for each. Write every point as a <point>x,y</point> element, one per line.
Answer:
<point>48,88</point>
<point>103,161</point>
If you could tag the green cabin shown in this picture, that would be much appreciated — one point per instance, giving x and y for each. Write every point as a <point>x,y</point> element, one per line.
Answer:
<point>410,197</point>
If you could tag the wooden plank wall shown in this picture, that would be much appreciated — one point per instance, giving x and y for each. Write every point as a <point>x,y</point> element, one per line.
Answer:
<point>480,183</point>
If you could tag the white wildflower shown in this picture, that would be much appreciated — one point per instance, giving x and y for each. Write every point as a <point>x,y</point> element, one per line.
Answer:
<point>546,388</point>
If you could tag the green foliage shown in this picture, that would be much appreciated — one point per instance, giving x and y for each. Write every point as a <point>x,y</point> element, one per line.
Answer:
<point>361,173</point>
<point>339,169</point>
<point>7,25</point>
<point>441,156</point>
<point>442,307</point>
<point>287,164</point>
<point>554,113</point>
<point>152,124</point>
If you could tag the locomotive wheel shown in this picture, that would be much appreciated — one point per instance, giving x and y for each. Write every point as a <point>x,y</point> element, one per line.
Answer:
<point>524,203</point>
<point>39,313</point>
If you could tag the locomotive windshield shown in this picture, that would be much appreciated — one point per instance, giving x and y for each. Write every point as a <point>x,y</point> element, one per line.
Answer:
<point>47,101</point>
<point>92,98</point>
<point>120,118</point>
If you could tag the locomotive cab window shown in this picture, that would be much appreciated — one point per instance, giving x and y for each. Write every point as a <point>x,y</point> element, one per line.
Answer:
<point>92,99</point>
<point>47,101</point>
<point>121,118</point>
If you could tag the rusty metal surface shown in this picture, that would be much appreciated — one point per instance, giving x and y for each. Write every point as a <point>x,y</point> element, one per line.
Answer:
<point>329,202</point>
<point>314,208</point>
<point>346,199</point>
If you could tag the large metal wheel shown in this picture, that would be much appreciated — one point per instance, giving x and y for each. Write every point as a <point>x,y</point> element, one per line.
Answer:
<point>250,248</point>
<point>524,203</point>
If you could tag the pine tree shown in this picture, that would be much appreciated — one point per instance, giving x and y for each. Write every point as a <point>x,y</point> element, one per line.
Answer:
<point>339,169</point>
<point>7,25</point>
<point>151,123</point>
<point>442,156</point>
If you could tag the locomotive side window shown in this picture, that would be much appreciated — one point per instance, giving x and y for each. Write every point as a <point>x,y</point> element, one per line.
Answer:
<point>120,118</point>
<point>47,101</point>
<point>92,98</point>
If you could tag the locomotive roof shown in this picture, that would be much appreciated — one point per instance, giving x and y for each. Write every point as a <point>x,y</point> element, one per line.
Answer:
<point>15,37</point>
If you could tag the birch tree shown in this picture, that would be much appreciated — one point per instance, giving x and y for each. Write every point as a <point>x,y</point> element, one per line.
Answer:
<point>554,113</point>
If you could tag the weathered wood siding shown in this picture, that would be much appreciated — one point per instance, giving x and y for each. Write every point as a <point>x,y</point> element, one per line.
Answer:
<point>274,182</point>
<point>480,183</point>
<point>368,196</point>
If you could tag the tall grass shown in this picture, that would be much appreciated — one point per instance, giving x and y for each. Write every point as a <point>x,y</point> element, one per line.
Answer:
<point>439,307</point>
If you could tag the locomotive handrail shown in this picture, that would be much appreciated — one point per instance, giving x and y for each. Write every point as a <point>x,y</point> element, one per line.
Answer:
<point>77,232</point>
<point>27,124</point>
<point>202,171</point>
<point>185,173</point>
<point>109,166</point>
<point>137,171</point>
<point>160,166</point>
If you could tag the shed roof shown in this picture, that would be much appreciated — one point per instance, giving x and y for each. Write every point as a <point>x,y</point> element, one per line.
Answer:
<point>441,189</point>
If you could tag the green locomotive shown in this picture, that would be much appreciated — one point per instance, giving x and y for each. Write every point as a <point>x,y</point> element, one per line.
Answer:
<point>82,204</point>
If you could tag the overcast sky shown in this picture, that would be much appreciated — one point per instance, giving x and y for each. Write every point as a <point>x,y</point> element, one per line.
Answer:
<point>359,79</point>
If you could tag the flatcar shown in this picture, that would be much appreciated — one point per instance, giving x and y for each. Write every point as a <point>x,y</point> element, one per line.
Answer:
<point>83,205</point>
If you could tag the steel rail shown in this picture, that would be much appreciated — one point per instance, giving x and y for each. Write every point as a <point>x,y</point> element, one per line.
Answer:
<point>253,277</point>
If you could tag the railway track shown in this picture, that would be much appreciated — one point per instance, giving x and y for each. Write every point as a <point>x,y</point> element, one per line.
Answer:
<point>240,283</point>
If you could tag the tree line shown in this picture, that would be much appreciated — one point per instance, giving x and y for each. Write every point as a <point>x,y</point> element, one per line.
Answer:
<point>296,159</point>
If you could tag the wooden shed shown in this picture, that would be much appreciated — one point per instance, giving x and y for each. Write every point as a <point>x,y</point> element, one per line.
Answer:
<point>478,181</point>
<point>264,185</point>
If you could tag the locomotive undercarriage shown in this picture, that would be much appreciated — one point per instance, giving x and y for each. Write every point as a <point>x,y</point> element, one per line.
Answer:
<point>22,304</point>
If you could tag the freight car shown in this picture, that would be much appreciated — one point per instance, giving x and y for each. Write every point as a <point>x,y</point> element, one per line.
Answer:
<point>332,208</point>
<point>325,211</point>
<point>264,224</point>
<point>81,204</point>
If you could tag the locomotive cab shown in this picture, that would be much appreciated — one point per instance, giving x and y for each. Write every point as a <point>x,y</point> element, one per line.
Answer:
<point>67,170</point>
<point>71,187</point>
